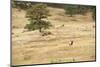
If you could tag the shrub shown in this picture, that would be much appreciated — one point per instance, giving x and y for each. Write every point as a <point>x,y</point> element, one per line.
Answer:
<point>35,15</point>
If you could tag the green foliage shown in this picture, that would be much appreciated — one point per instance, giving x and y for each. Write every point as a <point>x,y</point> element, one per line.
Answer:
<point>71,10</point>
<point>37,12</point>
<point>13,3</point>
<point>35,15</point>
<point>82,9</point>
<point>35,25</point>
<point>93,10</point>
<point>21,4</point>
<point>76,9</point>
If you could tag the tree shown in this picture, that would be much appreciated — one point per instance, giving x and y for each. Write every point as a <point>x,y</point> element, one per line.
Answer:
<point>35,15</point>
<point>82,9</point>
<point>71,10</point>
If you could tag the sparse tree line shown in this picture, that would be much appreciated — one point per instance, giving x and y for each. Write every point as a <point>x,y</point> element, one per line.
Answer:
<point>79,9</point>
<point>36,13</point>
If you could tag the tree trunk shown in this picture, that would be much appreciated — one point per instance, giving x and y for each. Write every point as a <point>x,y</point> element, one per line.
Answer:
<point>40,30</point>
<point>71,15</point>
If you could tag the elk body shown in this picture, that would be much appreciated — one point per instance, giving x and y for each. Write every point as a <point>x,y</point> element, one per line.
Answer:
<point>71,43</point>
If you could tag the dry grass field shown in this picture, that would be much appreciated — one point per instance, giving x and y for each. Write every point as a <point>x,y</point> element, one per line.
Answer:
<point>29,47</point>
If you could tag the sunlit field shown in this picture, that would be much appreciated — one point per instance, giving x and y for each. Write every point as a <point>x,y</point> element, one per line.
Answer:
<point>71,39</point>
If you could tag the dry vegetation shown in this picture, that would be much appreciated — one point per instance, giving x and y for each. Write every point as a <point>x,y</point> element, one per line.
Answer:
<point>29,47</point>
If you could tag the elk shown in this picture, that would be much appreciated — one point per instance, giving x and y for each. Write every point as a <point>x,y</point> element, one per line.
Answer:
<point>71,43</point>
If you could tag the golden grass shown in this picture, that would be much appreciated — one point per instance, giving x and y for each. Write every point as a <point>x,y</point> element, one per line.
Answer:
<point>32,48</point>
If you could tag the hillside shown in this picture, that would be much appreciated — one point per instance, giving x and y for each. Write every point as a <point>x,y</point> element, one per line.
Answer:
<point>29,47</point>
